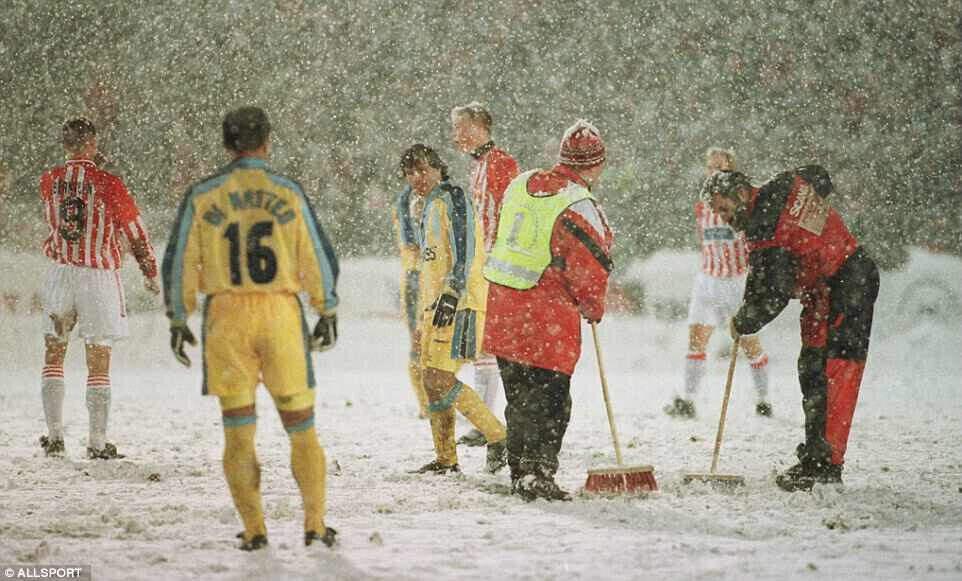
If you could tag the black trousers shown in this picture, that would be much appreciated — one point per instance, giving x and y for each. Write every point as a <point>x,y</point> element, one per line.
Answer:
<point>538,410</point>
<point>836,326</point>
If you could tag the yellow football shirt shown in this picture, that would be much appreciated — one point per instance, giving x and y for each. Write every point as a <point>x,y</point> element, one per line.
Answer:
<point>247,230</point>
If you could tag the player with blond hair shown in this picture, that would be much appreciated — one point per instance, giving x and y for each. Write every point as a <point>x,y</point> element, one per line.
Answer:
<point>493,170</point>
<point>716,295</point>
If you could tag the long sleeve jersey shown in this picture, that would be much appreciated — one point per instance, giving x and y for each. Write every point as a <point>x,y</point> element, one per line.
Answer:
<point>88,211</point>
<point>406,216</point>
<point>493,171</point>
<point>452,249</point>
<point>406,226</point>
<point>247,230</point>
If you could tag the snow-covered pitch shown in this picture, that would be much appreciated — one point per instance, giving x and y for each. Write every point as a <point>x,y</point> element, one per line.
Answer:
<point>164,512</point>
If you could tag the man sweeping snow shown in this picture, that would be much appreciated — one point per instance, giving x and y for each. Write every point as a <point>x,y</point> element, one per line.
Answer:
<point>548,268</point>
<point>800,248</point>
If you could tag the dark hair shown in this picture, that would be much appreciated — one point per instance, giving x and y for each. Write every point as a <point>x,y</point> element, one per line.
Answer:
<point>724,183</point>
<point>420,153</point>
<point>246,129</point>
<point>76,132</point>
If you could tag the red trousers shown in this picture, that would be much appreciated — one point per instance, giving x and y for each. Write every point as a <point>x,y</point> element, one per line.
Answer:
<point>836,324</point>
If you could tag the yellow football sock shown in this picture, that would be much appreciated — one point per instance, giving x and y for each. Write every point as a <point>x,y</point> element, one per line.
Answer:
<point>310,471</point>
<point>414,372</point>
<point>471,406</point>
<point>243,475</point>
<point>442,429</point>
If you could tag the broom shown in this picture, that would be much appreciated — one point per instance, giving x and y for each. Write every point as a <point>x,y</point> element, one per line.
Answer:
<point>724,480</point>
<point>619,478</point>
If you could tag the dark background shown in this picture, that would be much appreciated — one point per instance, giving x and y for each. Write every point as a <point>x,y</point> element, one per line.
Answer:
<point>868,89</point>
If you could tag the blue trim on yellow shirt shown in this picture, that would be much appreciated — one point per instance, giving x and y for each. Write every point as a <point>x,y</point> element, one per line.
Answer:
<point>203,345</point>
<point>323,251</point>
<point>172,267</point>
<point>461,235</point>
<point>405,219</point>
<point>458,217</point>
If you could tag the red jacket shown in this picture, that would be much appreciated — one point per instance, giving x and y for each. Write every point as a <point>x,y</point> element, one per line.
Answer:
<point>796,240</point>
<point>802,222</point>
<point>541,326</point>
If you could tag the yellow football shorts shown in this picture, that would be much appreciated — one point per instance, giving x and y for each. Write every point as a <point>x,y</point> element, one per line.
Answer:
<point>448,348</point>
<point>254,337</point>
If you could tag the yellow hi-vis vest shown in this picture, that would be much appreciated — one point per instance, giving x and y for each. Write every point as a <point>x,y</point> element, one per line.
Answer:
<point>522,249</point>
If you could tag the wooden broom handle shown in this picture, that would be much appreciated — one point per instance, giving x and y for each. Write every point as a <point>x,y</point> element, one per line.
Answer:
<point>724,409</point>
<point>604,390</point>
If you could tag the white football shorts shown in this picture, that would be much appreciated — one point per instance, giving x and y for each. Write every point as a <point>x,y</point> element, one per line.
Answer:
<point>715,300</point>
<point>95,295</point>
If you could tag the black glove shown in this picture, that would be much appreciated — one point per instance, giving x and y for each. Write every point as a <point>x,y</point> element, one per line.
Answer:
<point>444,309</point>
<point>325,333</point>
<point>180,334</point>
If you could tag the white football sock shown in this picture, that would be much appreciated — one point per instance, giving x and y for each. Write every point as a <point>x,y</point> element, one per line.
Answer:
<point>51,389</point>
<point>487,380</point>
<point>98,406</point>
<point>760,375</point>
<point>695,367</point>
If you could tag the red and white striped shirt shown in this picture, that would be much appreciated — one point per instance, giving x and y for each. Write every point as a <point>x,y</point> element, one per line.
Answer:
<point>85,208</point>
<point>492,173</point>
<point>723,250</point>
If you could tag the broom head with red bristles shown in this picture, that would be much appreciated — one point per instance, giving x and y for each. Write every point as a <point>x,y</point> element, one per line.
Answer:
<point>621,479</point>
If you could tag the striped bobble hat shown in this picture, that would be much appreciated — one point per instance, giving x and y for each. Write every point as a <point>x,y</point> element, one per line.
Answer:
<point>582,145</point>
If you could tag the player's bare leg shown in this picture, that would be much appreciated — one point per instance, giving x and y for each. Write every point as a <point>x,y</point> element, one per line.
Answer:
<point>55,350</point>
<point>698,337</point>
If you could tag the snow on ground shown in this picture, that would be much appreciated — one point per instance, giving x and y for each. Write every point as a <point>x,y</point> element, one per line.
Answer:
<point>165,513</point>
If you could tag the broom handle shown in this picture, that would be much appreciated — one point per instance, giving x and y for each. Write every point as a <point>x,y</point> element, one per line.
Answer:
<point>724,409</point>
<point>604,390</point>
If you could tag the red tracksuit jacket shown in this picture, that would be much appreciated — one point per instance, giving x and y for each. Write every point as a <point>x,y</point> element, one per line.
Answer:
<point>541,326</point>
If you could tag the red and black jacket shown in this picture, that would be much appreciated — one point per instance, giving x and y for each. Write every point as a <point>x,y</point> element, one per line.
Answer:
<point>796,240</point>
